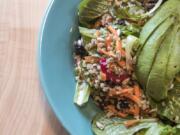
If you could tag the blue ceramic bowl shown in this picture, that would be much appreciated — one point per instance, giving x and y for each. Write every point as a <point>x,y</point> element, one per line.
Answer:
<point>59,29</point>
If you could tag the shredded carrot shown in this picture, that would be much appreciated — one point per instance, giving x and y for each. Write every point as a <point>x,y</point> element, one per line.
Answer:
<point>119,47</point>
<point>135,110</point>
<point>112,30</point>
<point>123,115</point>
<point>126,90</point>
<point>110,54</point>
<point>103,76</point>
<point>111,108</point>
<point>91,59</point>
<point>115,92</point>
<point>134,98</point>
<point>137,91</point>
<point>98,33</point>
<point>108,41</point>
<point>112,66</point>
<point>97,24</point>
<point>122,63</point>
<point>130,123</point>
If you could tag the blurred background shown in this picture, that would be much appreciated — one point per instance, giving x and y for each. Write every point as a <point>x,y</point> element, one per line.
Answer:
<point>23,107</point>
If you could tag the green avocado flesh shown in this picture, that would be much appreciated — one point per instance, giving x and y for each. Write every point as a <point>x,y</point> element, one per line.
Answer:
<point>158,60</point>
<point>157,85</point>
<point>163,13</point>
<point>149,51</point>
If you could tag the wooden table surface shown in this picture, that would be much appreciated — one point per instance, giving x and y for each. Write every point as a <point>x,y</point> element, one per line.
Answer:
<point>23,107</point>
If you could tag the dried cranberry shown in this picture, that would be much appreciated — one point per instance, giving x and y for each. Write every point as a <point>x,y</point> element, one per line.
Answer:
<point>103,64</point>
<point>111,76</point>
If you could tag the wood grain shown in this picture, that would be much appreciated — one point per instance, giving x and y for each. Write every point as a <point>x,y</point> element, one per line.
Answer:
<point>23,107</point>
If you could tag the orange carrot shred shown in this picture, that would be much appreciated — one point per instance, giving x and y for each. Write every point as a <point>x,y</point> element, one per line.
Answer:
<point>112,30</point>
<point>108,41</point>
<point>98,33</point>
<point>123,115</point>
<point>119,47</point>
<point>111,108</point>
<point>135,110</point>
<point>137,91</point>
<point>106,53</point>
<point>103,76</point>
<point>122,63</point>
<point>134,98</point>
<point>91,59</point>
<point>115,92</point>
<point>131,123</point>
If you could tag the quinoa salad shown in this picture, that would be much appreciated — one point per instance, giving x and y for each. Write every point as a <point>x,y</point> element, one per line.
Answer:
<point>111,62</point>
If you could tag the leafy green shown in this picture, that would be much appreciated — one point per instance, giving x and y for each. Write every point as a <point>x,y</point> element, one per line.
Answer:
<point>102,125</point>
<point>82,93</point>
<point>123,13</point>
<point>131,44</point>
<point>88,34</point>
<point>91,10</point>
<point>170,107</point>
<point>130,30</point>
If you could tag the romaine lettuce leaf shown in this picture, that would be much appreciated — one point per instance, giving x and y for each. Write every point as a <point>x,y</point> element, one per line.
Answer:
<point>82,93</point>
<point>88,34</point>
<point>102,125</point>
<point>91,10</point>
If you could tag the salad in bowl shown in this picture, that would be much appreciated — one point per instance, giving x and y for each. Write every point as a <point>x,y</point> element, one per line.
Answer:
<point>127,60</point>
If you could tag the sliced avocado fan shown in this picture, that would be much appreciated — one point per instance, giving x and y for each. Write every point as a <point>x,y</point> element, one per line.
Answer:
<point>158,60</point>
<point>149,51</point>
<point>158,84</point>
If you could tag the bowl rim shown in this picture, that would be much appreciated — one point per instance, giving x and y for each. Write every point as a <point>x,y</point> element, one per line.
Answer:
<point>40,68</point>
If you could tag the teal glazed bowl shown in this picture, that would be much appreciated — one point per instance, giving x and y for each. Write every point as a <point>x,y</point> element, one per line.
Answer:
<point>56,67</point>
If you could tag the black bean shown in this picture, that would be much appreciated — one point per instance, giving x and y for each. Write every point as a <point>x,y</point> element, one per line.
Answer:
<point>124,4</point>
<point>79,49</point>
<point>123,104</point>
<point>121,22</point>
<point>149,4</point>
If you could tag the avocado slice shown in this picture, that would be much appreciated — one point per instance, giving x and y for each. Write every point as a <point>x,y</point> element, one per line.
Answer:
<point>157,86</point>
<point>173,67</point>
<point>147,55</point>
<point>161,15</point>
